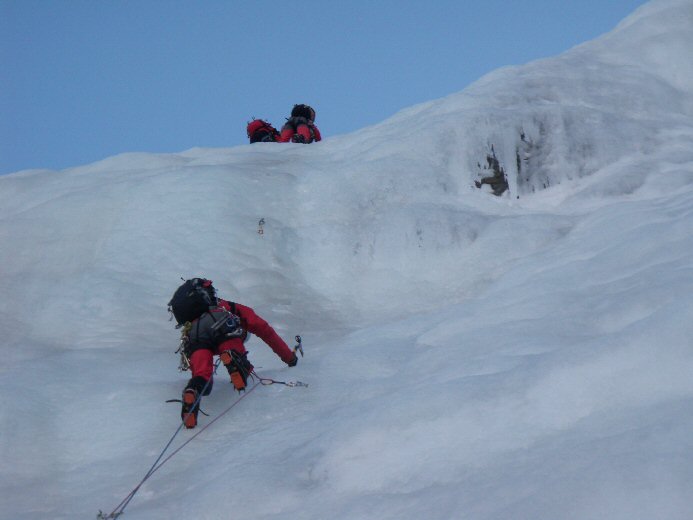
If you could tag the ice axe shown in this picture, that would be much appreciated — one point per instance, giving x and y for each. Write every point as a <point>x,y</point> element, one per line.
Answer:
<point>268,381</point>
<point>299,346</point>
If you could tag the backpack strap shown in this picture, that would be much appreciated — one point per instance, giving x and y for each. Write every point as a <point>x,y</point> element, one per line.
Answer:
<point>232,305</point>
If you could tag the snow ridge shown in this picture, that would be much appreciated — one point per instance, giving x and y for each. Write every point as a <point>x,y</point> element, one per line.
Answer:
<point>468,356</point>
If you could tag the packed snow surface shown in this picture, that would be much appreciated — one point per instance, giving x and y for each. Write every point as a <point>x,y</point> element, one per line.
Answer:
<point>528,356</point>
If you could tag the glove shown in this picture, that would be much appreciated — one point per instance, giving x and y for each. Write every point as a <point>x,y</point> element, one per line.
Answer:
<point>293,361</point>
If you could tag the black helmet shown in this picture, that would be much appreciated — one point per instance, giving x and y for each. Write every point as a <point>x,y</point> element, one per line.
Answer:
<point>303,111</point>
<point>192,299</point>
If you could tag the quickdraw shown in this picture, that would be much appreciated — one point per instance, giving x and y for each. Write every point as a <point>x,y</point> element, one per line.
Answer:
<point>266,381</point>
<point>184,363</point>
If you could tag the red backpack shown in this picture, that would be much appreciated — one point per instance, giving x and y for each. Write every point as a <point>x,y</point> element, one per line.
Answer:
<point>260,131</point>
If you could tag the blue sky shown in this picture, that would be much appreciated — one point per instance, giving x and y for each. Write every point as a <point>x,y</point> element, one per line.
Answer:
<point>84,80</point>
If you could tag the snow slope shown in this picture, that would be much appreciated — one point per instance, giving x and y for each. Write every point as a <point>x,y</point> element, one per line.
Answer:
<point>468,356</point>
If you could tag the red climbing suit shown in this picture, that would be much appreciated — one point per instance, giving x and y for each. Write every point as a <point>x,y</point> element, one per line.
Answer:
<point>300,127</point>
<point>201,360</point>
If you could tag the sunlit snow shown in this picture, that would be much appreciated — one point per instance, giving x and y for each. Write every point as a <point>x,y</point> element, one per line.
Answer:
<point>528,356</point>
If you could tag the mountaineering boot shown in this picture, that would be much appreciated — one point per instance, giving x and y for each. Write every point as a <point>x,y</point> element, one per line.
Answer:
<point>238,367</point>
<point>237,380</point>
<point>236,377</point>
<point>190,408</point>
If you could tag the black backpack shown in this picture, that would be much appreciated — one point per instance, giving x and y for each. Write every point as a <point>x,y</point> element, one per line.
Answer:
<point>260,131</point>
<point>192,299</point>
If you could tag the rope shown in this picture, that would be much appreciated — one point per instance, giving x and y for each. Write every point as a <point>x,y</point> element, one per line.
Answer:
<point>210,423</point>
<point>158,462</point>
<point>124,503</point>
